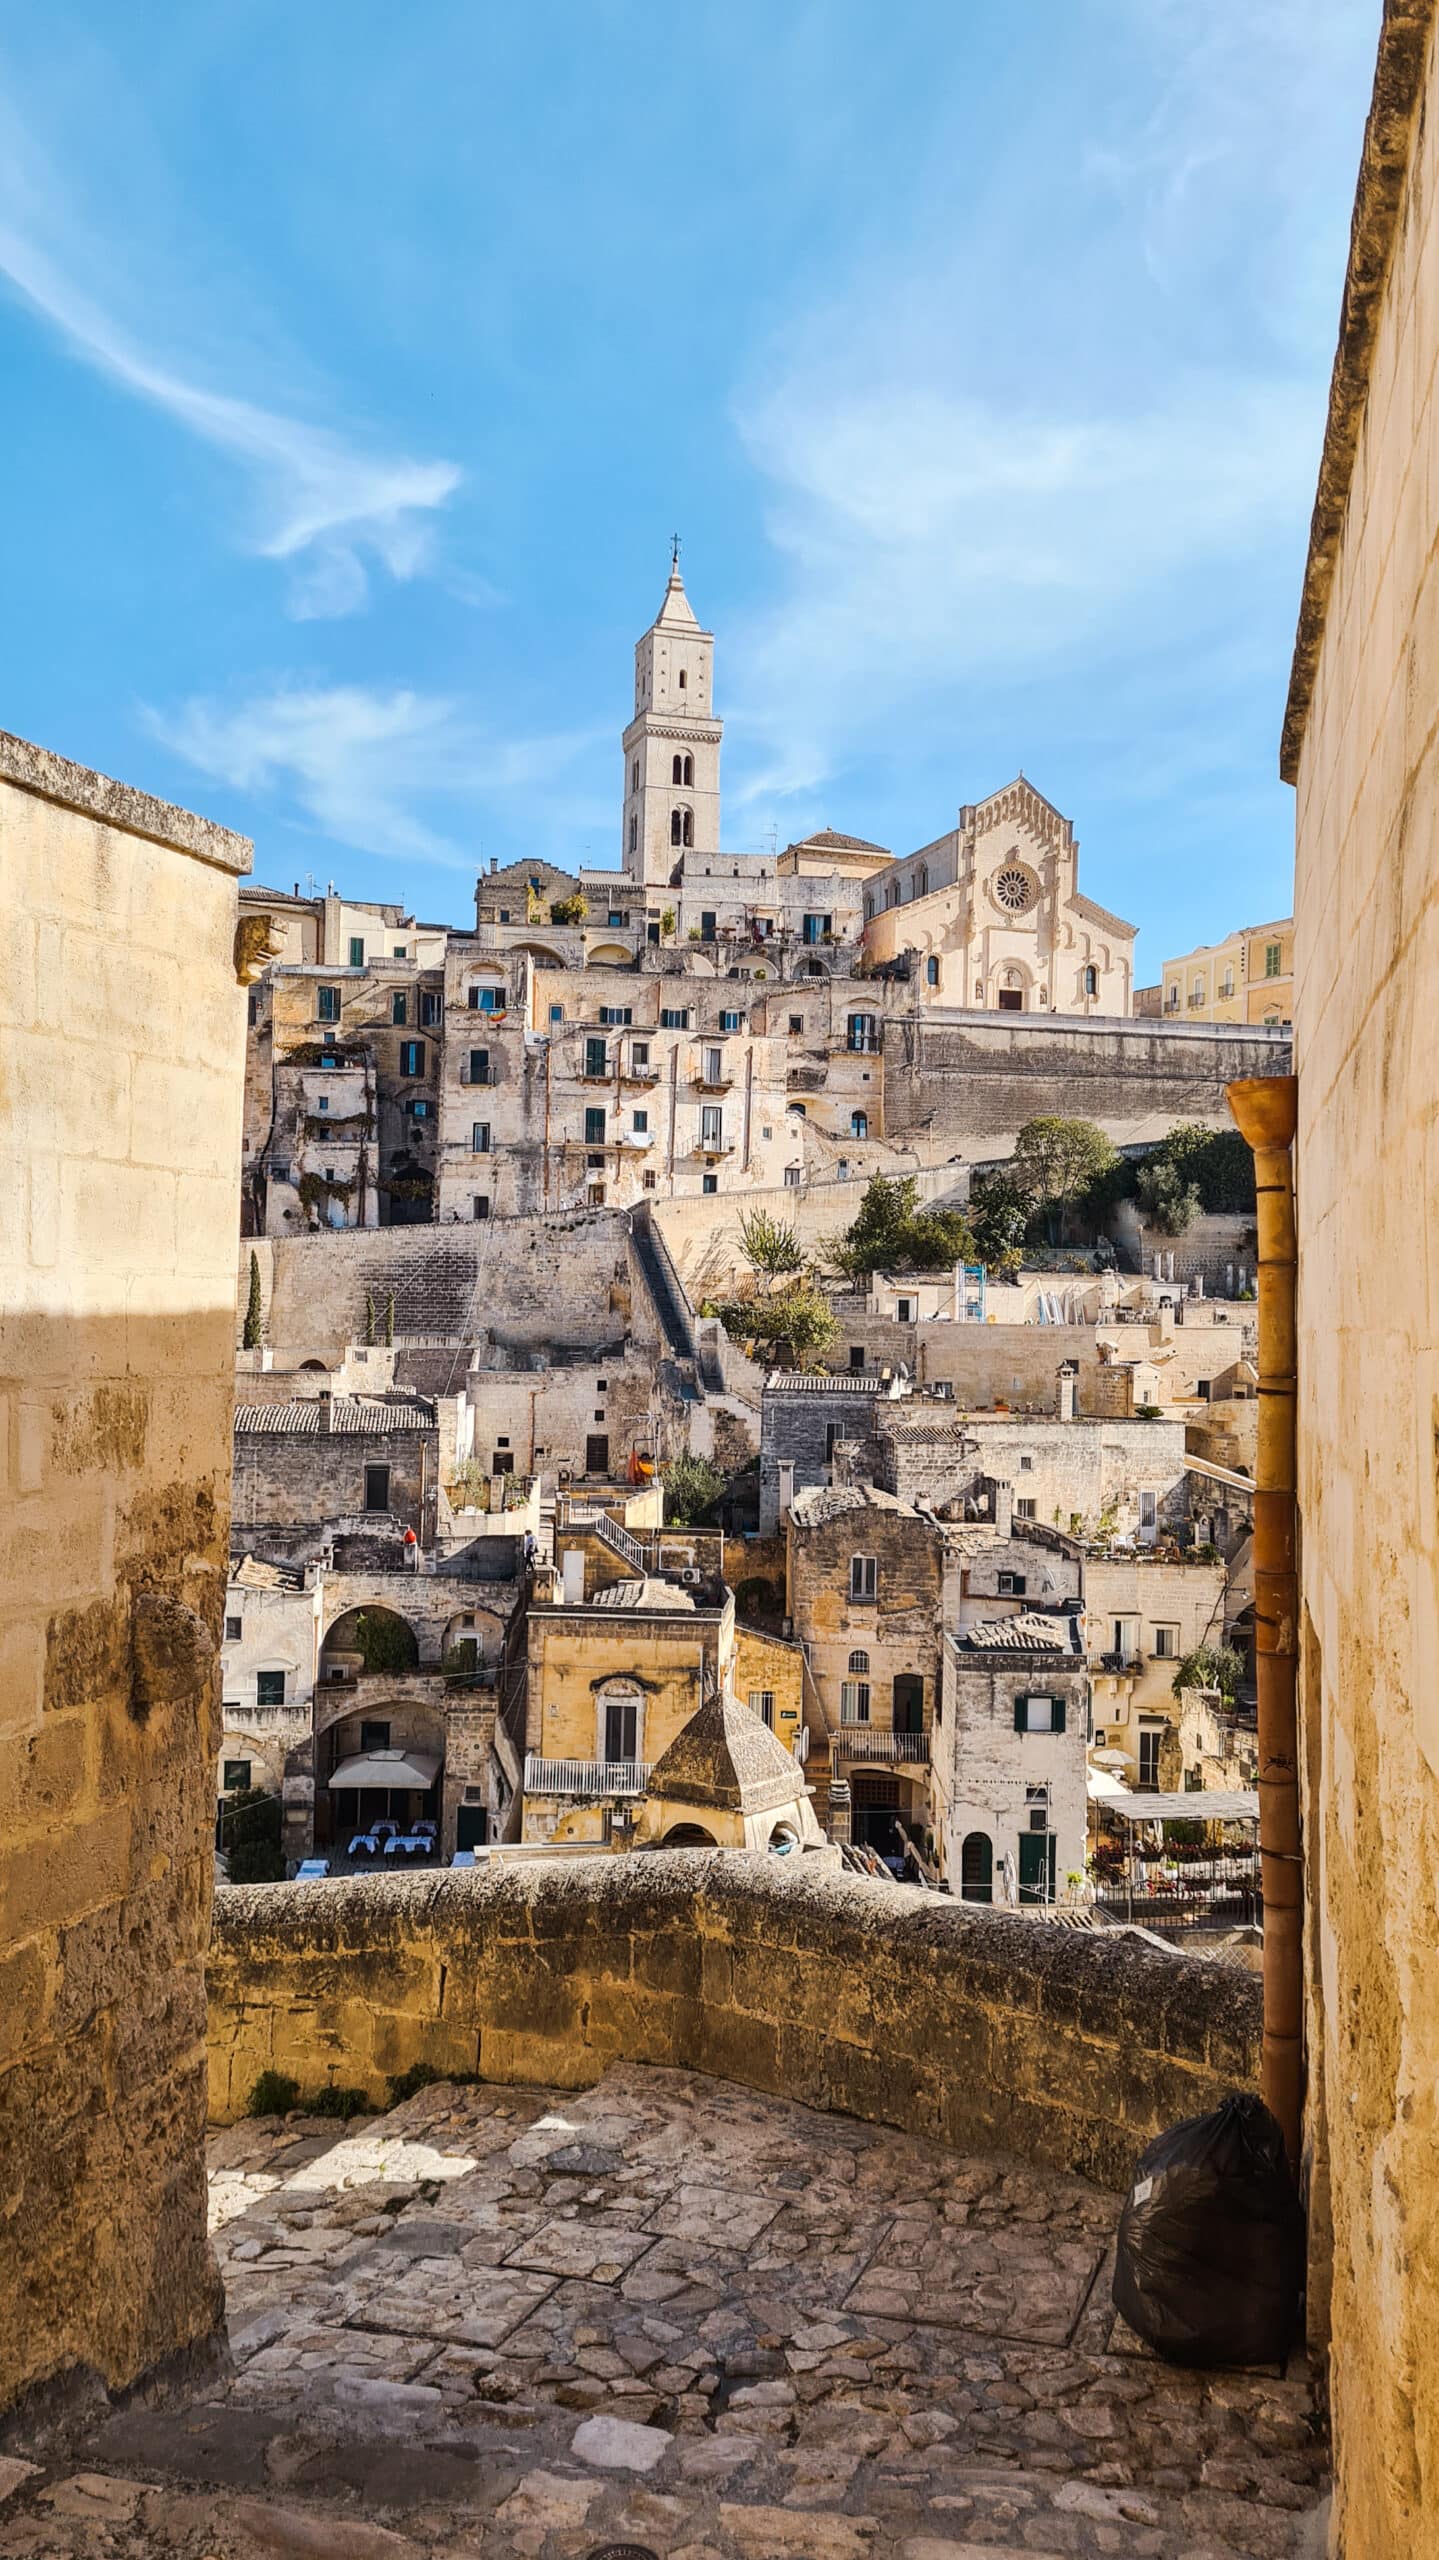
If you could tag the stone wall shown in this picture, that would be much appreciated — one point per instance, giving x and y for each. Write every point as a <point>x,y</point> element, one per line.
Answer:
<point>122,1066</point>
<point>1362,744</point>
<point>976,1078</point>
<point>522,1279</point>
<point>986,2031</point>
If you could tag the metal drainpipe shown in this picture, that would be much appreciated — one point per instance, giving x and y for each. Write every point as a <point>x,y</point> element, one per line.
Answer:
<point>1265,1109</point>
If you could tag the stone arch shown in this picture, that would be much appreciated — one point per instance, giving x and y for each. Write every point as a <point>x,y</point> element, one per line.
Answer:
<point>689,1835</point>
<point>377,1647</point>
<point>609,955</point>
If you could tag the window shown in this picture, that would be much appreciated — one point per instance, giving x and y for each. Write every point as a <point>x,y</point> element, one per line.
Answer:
<point>482,1204</point>
<point>709,1182</point>
<point>863,1577</point>
<point>1272,956</point>
<point>597,1454</point>
<point>374,1733</point>
<point>487,999</point>
<point>595,1125</point>
<point>479,1066</point>
<point>400,951</point>
<point>399,1011</point>
<point>1166,1644</point>
<point>615,915</point>
<point>324,1103</point>
<point>1026,1463</point>
<point>1038,1715</point>
<point>677,769</point>
<point>412,1057</point>
<point>674,1017</point>
<point>504,915</point>
<point>269,1688</point>
<point>714,1066</point>
<point>279,1172</point>
<point>642,1123</point>
<point>859,1663</point>
<point>327,1003</point>
<point>1150,1738</point>
<point>557,1013</point>
<point>854,1702</point>
<point>862,1032</point>
<point>1091,982</point>
<point>796,1022</point>
<point>856,1355</point>
<point>712,1127</point>
<point>237,1775</point>
<point>931,973</point>
<point>1012,1585</point>
<point>596,1058</point>
<point>709,924</point>
<point>377,1488</point>
<point>634,834</point>
<point>1148,1515</point>
<point>649,1181</point>
<point>833,1431</point>
<point>905,1310</point>
<point>907,1708</point>
<point>432,1007</point>
<point>234,1627</point>
<point>502,1462</point>
<point>417,1107</point>
<point>1024,1507</point>
<point>859,1124</point>
<point>976,1867</point>
<point>357,952</point>
<point>480,1138</point>
<point>639,1054</point>
<point>616,1015</point>
<point>682,826</point>
<point>1226,983</point>
<point>731,1022</point>
<point>792,1174</point>
<point>761,1704</point>
<point>635,775</point>
<point>1171,998</point>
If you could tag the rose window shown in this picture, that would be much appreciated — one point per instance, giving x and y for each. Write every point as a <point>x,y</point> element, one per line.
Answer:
<point>1014,890</point>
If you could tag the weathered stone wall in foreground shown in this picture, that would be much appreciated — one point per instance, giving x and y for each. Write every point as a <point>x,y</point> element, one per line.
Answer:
<point>122,1028</point>
<point>979,2029</point>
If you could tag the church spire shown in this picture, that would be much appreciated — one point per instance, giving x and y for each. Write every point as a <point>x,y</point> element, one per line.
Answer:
<point>676,612</point>
<point>672,744</point>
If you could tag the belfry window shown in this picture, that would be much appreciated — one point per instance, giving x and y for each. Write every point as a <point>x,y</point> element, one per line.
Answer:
<point>677,769</point>
<point>682,826</point>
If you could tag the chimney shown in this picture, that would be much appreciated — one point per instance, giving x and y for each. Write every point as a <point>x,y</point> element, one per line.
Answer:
<point>1068,1390</point>
<point>1003,1497</point>
<point>325,1401</point>
<point>494,863</point>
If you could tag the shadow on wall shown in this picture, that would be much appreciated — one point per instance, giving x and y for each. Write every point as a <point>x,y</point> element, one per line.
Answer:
<point>977,2029</point>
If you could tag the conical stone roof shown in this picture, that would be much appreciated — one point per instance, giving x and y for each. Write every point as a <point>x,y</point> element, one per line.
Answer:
<point>726,1758</point>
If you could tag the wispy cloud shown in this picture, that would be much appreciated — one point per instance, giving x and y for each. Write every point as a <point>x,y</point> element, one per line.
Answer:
<point>319,501</point>
<point>364,764</point>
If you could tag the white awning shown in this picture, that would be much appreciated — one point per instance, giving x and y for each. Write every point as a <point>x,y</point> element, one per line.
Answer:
<point>410,1770</point>
<point>1197,1804</point>
<point>1103,1785</point>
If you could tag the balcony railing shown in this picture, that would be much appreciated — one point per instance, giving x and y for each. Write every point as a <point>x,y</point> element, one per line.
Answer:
<point>863,1048</point>
<point>482,1075</point>
<point>585,1778</point>
<point>712,1084</point>
<point>1121,1663</point>
<point>856,1742</point>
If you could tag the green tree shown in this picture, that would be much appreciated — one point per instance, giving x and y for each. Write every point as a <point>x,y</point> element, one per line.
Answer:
<point>250,1837</point>
<point>999,1216</point>
<point>254,1332</point>
<point>1170,1204</point>
<point>1057,1162</point>
<point>1210,1666</point>
<point>1217,1161</point>
<point>692,1488</point>
<point>892,1232</point>
<point>768,1245</point>
<point>385,1642</point>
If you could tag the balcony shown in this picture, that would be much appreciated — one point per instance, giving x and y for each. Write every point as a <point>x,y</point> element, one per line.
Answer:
<point>632,1074</point>
<point>486,1075</point>
<point>1123,1665</point>
<point>863,1048</point>
<point>712,1151</point>
<point>585,1779</point>
<point>712,1084</point>
<point>858,1742</point>
<point>637,1138</point>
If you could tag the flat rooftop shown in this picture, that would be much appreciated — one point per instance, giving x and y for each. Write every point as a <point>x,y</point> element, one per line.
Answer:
<point>669,2317</point>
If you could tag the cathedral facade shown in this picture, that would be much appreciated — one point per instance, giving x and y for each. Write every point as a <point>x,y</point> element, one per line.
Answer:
<point>989,917</point>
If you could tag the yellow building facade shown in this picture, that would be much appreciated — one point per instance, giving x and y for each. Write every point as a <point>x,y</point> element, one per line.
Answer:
<point>1248,977</point>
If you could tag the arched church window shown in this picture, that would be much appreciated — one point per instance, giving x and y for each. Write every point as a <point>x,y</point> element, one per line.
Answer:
<point>921,881</point>
<point>634,834</point>
<point>688,835</point>
<point>677,769</point>
<point>931,971</point>
<point>859,1663</point>
<point>689,772</point>
<point>683,679</point>
<point>635,775</point>
<point>1091,982</point>
<point>859,1124</point>
<point>676,826</point>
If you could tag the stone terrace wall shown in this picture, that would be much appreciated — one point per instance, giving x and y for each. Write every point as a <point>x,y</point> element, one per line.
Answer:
<point>122,1032</point>
<point>532,1279</point>
<point>977,1077</point>
<point>980,2029</point>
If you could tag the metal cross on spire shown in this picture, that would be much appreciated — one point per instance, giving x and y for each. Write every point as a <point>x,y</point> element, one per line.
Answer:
<point>674,551</point>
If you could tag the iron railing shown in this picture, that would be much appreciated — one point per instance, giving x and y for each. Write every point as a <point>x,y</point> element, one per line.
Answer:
<point>585,1777</point>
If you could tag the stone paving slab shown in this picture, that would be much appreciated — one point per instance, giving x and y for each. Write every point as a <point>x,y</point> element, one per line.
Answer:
<point>519,2325</point>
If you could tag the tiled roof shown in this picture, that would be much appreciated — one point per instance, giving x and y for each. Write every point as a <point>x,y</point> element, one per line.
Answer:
<point>650,1593</point>
<point>725,1757</point>
<point>829,840</point>
<point>357,1416</point>
<point>821,1502</point>
<point>818,1382</point>
<point>1031,1631</point>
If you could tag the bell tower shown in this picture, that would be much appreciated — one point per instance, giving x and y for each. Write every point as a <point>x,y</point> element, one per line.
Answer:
<point>672,744</point>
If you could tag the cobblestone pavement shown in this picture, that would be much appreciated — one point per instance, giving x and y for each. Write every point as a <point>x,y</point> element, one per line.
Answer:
<point>680,2319</point>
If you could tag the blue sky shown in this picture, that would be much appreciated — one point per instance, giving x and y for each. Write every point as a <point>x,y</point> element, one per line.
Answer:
<point>359,362</point>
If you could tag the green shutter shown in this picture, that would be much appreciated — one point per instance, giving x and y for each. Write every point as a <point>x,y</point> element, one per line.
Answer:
<point>1058,1706</point>
<point>1021,1715</point>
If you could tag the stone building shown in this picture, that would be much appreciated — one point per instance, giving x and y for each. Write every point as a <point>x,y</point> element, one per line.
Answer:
<point>122,1131</point>
<point>991,916</point>
<point>866,1585</point>
<point>1248,976</point>
<point>321,1463</point>
<point>1360,746</point>
<point>342,1093</point>
<point>1075,1473</point>
<point>1009,1759</point>
<point>1143,1615</point>
<point>269,1664</point>
<point>727,1782</point>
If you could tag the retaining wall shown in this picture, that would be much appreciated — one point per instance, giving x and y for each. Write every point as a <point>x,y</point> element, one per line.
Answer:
<point>977,2028</point>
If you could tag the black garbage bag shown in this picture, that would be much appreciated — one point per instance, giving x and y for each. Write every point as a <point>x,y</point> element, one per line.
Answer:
<point>1211,2241</point>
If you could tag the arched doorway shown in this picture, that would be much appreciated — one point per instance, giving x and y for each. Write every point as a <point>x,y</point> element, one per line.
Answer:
<point>367,1639</point>
<point>1009,995</point>
<point>976,1867</point>
<point>689,1835</point>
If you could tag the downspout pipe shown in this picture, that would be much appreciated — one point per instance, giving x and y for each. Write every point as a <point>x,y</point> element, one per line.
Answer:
<point>1264,1109</point>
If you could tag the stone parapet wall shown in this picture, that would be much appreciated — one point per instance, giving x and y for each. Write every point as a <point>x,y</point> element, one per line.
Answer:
<point>980,2029</point>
